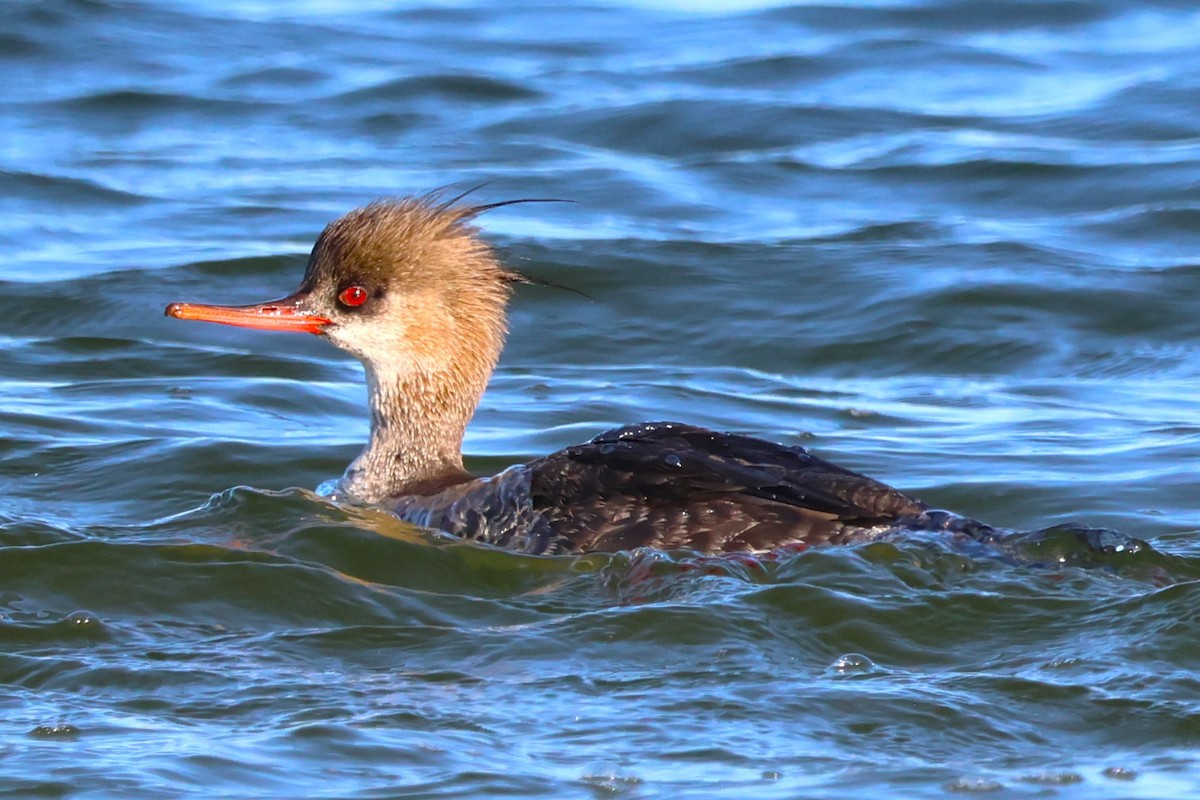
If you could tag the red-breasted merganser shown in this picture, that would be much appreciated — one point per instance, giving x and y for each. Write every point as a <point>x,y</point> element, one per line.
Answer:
<point>410,288</point>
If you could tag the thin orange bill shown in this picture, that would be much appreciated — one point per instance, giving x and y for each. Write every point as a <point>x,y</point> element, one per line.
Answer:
<point>279,315</point>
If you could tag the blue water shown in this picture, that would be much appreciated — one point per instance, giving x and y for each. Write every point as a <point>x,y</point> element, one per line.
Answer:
<point>950,244</point>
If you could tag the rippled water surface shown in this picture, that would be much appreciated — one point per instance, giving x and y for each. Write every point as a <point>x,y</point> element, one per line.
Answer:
<point>949,243</point>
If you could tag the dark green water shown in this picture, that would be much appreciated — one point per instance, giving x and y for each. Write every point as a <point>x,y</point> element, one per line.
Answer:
<point>950,244</point>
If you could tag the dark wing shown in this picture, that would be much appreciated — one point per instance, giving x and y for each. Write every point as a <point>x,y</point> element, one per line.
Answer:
<point>670,485</point>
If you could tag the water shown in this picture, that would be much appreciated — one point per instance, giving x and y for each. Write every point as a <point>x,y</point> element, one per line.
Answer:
<point>950,244</point>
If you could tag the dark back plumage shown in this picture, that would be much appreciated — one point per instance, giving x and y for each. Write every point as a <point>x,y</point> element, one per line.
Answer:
<point>667,485</point>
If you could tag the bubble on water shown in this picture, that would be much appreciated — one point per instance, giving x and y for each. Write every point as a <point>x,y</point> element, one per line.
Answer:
<point>56,731</point>
<point>82,619</point>
<point>82,624</point>
<point>974,785</point>
<point>852,664</point>
<point>1120,773</point>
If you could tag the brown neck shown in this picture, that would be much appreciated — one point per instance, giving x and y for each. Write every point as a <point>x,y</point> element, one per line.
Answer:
<point>418,420</point>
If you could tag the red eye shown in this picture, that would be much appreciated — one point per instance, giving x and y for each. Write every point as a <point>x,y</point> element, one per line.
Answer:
<point>352,296</point>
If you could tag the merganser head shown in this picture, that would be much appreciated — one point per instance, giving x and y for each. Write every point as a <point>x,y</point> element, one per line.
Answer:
<point>409,288</point>
<point>397,283</point>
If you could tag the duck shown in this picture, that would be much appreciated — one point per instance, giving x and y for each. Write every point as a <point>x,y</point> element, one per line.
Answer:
<point>411,288</point>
